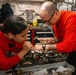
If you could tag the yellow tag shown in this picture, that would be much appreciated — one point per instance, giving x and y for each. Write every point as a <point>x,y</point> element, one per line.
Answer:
<point>35,23</point>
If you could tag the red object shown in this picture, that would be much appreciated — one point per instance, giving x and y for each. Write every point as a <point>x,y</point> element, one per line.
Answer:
<point>33,36</point>
<point>65,31</point>
<point>8,46</point>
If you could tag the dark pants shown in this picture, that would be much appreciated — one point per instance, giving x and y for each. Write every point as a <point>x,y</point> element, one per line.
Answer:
<point>72,60</point>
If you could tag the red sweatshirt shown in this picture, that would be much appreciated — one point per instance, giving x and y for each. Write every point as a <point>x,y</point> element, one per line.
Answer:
<point>5,47</point>
<point>65,31</point>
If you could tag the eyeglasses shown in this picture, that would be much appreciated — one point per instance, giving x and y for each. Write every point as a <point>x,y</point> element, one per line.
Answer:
<point>48,21</point>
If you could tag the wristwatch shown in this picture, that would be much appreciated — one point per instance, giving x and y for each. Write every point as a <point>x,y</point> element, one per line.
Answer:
<point>44,46</point>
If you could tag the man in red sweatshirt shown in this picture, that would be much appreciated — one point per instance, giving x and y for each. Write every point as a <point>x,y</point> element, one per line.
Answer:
<point>64,26</point>
<point>13,39</point>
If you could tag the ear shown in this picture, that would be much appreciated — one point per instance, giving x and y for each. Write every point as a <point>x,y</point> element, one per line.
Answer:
<point>57,13</point>
<point>10,35</point>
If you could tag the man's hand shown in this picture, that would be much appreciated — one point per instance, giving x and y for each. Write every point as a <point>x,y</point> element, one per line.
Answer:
<point>48,40</point>
<point>45,40</point>
<point>47,47</point>
<point>38,47</point>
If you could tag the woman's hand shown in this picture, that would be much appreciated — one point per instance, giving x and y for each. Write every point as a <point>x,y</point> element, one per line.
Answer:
<point>27,46</point>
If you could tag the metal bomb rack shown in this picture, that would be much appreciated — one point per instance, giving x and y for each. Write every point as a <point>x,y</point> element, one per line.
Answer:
<point>42,63</point>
